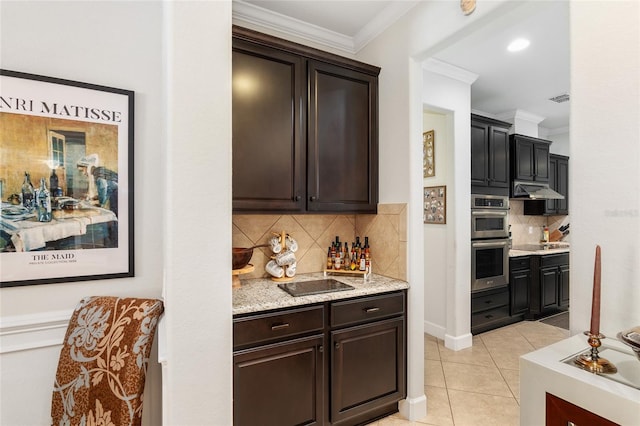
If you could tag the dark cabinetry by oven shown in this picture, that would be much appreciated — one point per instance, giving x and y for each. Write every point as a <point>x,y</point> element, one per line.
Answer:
<point>305,128</point>
<point>520,284</point>
<point>491,309</point>
<point>559,182</point>
<point>529,159</point>
<point>549,284</point>
<point>489,156</point>
<point>337,363</point>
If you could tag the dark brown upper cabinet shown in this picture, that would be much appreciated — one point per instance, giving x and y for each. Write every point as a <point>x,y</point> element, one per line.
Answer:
<point>489,156</point>
<point>530,159</point>
<point>305,129</point>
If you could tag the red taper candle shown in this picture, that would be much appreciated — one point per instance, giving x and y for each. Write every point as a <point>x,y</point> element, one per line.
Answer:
<point>595,300</point>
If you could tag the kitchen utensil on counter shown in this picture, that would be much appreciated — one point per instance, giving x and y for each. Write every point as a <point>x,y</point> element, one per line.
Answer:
<point>241,256</point>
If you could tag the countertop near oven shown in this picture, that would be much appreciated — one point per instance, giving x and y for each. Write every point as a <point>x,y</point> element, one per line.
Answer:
<point>263,294</point>
<point>517,251</point>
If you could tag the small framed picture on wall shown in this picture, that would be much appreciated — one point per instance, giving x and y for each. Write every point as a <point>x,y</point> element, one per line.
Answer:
<point>435,204</point>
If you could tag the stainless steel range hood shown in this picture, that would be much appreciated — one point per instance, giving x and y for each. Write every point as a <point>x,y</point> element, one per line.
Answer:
<point>534,191</point>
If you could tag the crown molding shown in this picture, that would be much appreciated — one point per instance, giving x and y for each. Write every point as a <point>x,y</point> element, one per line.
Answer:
<point>253,15</point>
<point>521,115</point>
<point>383,20</point>
<point>439,67</point>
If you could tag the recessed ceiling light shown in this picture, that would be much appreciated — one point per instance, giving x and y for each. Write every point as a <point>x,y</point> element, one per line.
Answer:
<point>518,44</point>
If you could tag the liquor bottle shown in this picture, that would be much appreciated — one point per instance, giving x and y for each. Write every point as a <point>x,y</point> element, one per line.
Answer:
<point>347,259</point>
<point>353,265</point>
<point>329,262</point>
<point>363,262</point>
<point>333,255</point>
<point>43,202</point>
<point>27,192</point>
<point>367,253</point>
<point>358,247</point>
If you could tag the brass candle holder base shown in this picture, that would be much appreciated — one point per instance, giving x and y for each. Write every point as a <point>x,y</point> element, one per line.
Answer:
<point>592,361</point>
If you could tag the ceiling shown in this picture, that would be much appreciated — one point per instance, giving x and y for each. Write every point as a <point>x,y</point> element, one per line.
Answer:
<point>507,82</point>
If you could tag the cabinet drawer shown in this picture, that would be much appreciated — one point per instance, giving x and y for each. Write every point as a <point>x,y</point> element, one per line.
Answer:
<point>261,329</point>
<point>491,315</point>
<point>490,301</point>
<point>519,263</point>
<point>554,259</point>
<point>366,309</point>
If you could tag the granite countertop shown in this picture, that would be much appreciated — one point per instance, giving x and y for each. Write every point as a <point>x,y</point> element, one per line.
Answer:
<point>538,249</point>
<point>263,294</point>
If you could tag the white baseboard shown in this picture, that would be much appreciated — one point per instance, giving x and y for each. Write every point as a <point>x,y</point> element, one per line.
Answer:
<point>458,342</point>
<point>33,331</point>
<point>413,409</point>
<point>434,330</point>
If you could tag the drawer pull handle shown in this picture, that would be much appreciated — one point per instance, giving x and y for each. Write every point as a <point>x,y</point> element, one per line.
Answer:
<point>488,301</point>
<point>371,310</point>
<point>488,316</point>
<point>279,326</point>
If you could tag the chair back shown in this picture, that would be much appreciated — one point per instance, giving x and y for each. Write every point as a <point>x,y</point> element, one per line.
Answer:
<point>103,362</point>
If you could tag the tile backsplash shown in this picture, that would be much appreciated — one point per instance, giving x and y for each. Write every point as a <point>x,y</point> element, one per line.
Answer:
<point>521,224</point>
<point>387,232</point>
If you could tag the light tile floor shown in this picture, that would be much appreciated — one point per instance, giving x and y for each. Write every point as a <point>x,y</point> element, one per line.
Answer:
<point>478,386</point>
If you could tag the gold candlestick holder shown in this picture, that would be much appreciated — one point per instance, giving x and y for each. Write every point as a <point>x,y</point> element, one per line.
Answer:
<point>592,361</point>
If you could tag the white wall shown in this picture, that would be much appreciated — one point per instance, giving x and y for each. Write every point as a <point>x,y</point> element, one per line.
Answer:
<point>561,143</point>
<point>111,44</point>
<point>605,161</point>
<point>182,138</point>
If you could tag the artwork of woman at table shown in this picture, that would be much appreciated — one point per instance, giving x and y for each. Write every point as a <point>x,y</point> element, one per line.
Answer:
<point>105,181</point>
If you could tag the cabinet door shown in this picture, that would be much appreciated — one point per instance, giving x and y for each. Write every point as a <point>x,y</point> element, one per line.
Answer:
<point>524,160</point>
<point>563,286</point>
<point>268,129</point>
<point>498,157</point>
<point>520,282</point>
<point>367,367</point>
<point>541,162</point>
<point>551,206</point>
<point>562,185</point>
<point>279,384</point>
<point>549,287</point>
<point>342,154</point>
<point>479,153</point>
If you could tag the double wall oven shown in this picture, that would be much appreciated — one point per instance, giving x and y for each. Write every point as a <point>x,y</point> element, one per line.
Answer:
<point>489,241</point>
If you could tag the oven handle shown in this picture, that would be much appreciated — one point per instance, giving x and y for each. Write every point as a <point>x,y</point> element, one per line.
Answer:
<point>490,244</point>
<point>488,213</point>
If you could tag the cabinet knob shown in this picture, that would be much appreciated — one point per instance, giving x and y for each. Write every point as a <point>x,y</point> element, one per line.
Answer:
<point>337,345</point>
<point>320,348</point>
<point>297,198</point>
<point>312,198</point>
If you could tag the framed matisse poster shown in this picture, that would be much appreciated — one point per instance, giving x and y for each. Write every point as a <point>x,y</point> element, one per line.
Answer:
<point>66,180</point>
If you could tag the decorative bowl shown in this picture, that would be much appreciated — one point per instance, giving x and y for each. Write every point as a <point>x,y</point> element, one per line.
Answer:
<point>241,256</point>
<point>631,338</point>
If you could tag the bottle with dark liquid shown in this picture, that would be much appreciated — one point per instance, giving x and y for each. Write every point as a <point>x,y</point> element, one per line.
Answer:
<point>53,182</point>
<point>367,254</point>
<point>43,202</point>
<point>27,192</point>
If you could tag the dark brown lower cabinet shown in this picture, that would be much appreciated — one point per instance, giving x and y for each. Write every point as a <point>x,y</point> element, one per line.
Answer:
<point>279,384</point>
<point>337,363</point>
<point>563,413</point>
<point>367,368</point>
